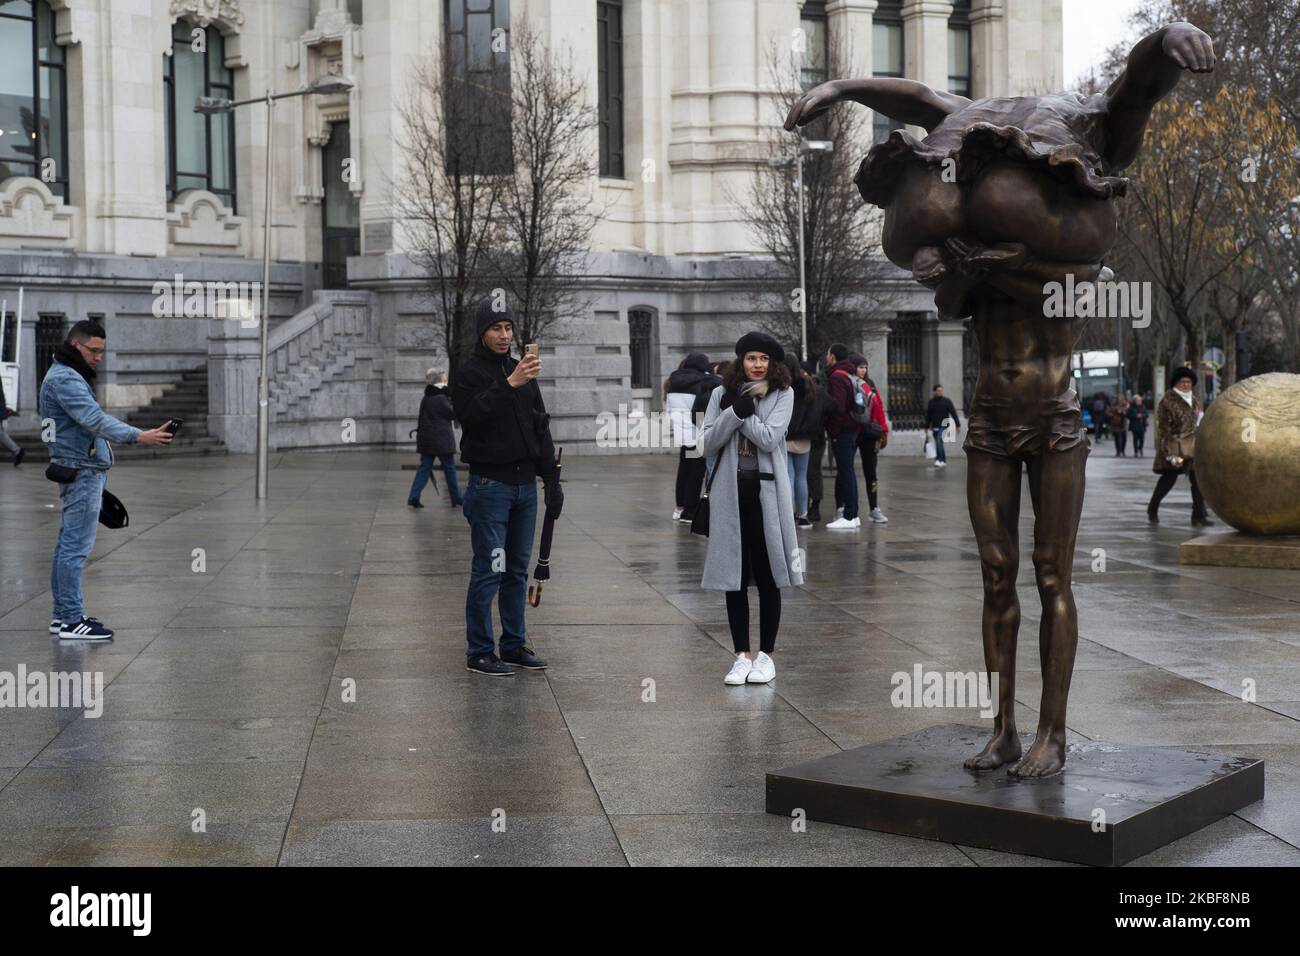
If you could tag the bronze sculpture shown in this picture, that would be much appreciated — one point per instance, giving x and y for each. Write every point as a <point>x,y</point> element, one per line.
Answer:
<point>1002,197</point>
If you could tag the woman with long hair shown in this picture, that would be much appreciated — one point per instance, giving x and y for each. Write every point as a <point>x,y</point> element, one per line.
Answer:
<point>751,511</point>
<point>805,425</point>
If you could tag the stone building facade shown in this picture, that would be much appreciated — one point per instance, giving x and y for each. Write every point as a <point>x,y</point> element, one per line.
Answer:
<point>112,187</point>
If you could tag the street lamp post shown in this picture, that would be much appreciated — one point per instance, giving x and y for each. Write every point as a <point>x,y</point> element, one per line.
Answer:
<point>805,146</point>
<point>211,105</point>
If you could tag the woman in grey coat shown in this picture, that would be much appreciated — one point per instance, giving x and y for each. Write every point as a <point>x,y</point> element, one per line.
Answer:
<point>751,511</point>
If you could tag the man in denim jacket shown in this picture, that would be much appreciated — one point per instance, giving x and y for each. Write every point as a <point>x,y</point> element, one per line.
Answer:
<point>82,431</point>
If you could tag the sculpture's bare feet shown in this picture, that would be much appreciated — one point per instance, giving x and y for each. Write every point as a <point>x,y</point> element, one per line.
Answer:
<point>974,259</point>
<point>928,266</point>
<point>1004,747</point>
<point>1046,757</point>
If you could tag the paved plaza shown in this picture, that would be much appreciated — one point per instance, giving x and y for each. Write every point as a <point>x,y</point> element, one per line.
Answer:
<point>228,707</point>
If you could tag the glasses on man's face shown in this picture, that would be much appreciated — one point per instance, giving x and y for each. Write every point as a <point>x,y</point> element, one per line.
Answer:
<point>93,351</point>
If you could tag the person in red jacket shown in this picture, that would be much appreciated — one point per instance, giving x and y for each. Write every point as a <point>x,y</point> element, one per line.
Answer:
<point>843,432</point>
<point>869,443</point>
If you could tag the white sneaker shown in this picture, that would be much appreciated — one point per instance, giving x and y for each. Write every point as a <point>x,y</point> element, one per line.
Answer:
<point>739,671</point>
<point>763,670</point>
<point>843,524</point>
<point>857,522</point>
<point>878,516</point>
<point>941,464</point>
<point>677,514</point>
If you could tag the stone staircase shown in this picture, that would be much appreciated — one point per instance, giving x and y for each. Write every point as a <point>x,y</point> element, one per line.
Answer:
<point>327,367</point>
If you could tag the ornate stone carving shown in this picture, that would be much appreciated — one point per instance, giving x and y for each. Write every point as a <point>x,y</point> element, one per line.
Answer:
<point>206,12</point>
<point>29,211</point>
<point>199,218</point>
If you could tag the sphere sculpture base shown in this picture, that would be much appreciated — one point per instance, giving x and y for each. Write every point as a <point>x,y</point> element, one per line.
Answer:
<point>1237,550</point>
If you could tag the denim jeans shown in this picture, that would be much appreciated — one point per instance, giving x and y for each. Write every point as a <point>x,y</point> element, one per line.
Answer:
<point>426,469</point>
<point>845,446</point>
<point>501,522</point>
<point>939,454</point>
<point>81,499</point>
<point>799,480</point>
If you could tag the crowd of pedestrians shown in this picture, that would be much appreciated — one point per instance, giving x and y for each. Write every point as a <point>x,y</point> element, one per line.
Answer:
<point>752,434</point>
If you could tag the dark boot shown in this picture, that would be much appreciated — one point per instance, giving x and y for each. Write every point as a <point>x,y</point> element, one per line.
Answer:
<point>815,510</point>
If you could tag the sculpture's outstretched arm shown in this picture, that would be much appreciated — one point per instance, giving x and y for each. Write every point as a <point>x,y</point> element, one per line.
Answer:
<point>906,100</point>
<point>1154,67</point>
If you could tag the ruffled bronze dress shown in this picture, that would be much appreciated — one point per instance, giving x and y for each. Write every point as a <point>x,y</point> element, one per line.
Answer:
<point>1062,133</point>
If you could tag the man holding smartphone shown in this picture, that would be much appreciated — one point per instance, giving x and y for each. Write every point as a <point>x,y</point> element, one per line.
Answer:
<point>506,441</point>
<point>82,431</point>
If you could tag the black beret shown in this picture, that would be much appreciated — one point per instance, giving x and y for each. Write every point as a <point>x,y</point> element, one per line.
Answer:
<point>760,342</point>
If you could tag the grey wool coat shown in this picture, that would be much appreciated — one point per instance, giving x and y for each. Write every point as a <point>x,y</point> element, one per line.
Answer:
<point>720,437</point>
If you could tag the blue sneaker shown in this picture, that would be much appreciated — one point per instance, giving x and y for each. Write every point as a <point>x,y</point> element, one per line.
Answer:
<point>87,629</point>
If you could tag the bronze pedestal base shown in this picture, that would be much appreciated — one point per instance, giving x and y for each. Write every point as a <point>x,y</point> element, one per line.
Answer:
<point>915,785</point>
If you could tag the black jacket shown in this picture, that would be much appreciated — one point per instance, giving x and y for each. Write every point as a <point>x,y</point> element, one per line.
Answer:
<point>806,418</point>
<point>704,392</point>
<point>692,376</point>
<point>505,431</point>
<point>433,435</point>
<point>937,410</point>
<point>1137,418</point>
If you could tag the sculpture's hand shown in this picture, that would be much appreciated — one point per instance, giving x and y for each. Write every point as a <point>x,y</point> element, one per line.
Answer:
<point>813,104</point>
<point>973,259</point>
<point>1190,48</point>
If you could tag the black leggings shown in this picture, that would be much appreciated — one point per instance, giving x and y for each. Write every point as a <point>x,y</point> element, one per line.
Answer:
<point>869,447</point>
<point>1139,435</point>
<point>690,479</point>
<point>753,563</point>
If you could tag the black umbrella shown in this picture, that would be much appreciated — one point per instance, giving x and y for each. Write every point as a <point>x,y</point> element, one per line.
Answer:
<point>542,574</point>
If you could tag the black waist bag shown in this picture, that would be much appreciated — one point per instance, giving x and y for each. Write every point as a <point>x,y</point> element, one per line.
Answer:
<point>61,474</point>
<point>112,513</point>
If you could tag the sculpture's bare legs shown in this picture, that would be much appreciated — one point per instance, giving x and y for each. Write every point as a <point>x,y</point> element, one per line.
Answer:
<point>1056,482</point>
<point>993,494</point>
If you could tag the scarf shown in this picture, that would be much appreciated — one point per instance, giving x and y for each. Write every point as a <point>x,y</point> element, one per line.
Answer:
<point>67,354</point>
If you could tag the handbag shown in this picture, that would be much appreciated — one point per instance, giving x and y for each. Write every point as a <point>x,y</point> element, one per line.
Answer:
<point>700,523</point>
<point>1186,445</point>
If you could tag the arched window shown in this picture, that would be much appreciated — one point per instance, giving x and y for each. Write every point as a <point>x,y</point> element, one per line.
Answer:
<point>33,96</point>
<point>640,337</point>
<point>200,148</point>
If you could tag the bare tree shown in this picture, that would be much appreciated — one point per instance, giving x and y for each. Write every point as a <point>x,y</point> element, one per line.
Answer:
<point>845,280</point>
<point>546,213</point>
<point>449,190</point>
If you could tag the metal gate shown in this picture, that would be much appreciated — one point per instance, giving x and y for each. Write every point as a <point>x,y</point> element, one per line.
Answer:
<point>906,373</point>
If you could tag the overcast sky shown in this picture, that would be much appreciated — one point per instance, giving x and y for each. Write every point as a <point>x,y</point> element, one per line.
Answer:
<point>1091,26</point>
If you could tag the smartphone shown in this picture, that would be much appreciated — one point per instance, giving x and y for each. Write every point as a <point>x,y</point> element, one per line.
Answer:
<point>174,425</point>
<point>532,348</point>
